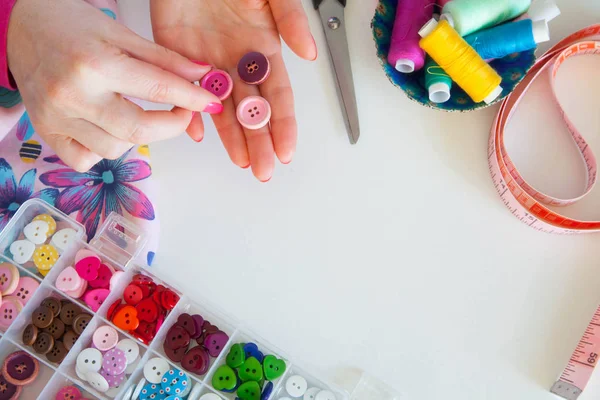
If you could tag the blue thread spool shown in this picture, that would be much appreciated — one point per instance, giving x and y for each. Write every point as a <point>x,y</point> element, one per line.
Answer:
<point>509,38</point>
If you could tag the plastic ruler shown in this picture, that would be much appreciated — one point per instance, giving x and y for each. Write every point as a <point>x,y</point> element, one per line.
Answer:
<point>531,205</point>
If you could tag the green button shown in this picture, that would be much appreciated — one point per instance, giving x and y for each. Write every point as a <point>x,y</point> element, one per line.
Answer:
<point>251,370</point>
<point>236,356</point>
<point>274,367</point>
<point>249,391</point>
<point>224,378</point>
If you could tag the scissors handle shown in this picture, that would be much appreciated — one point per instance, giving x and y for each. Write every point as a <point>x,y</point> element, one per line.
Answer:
<point>317,3</point>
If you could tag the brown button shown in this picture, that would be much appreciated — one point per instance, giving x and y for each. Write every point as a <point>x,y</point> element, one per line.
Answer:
<point>42,317</point>
<point>69,339</point>
<point>69,312</point>
<point>44,343</point>
<point>30,334</point>
<point>58,352</point>
<point>20,368</point>
<point>53,304</point>
<point>56,328</point>
<point>80,322</point>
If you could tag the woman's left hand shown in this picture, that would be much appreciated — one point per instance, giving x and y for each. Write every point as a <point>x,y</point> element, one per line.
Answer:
<point>220,32</point>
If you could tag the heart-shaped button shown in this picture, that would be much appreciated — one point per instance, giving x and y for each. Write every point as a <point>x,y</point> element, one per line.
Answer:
<point>22,251</point>
<point>251,350</point>
<point>251,370</point>
<point>224,378</point>
<point>103,279</point>
<point>236,356</point>
<point>147,310</point>
<point>63,238</point>
<point>95,298</point>
<point>155,292</point>
<point>36,232</point>
<point>177,337</point>
<point>84,253</point>
<point>187,322</point>
<point>145,332</point>
<point>88,268</point>
<point>249,391</point>
<point>25,289</point>
<point>77,293</point>
<point>175,355</point>
<point>207,328</point>
<point>273,367</point>
<point>140,279</point>
<point>196,361</point>
<point>169,299</point>
<point>127,318</point>
<point>132,294</point>
<point>9,278</point>
<point>198,322</point>
<point>68,280</point>
<point>44,257</point>
<point>215,343</point>
<point>47,218</point>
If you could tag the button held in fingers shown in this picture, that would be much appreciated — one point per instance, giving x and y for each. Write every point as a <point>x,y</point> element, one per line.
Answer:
<point>254,112</point>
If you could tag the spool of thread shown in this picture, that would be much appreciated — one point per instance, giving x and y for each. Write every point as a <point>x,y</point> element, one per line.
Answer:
<point>460,61</point>
<point>468,16</point>
<point>405,54</point>
<point>505,39</point>
<point>437,82</point>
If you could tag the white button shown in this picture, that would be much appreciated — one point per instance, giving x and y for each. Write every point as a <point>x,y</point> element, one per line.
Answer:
<point>130,348</point>
<point>138,389</point>
<point>131,367</point>
<point>311,393</point>
<point>325,395</point>
<point>63,238</point>
<point>296,386</point>
<point>155,369</point>
<point>89,360</point>
<point>22,251</point>
<point>97,381</point>
<point>80,374</point>
<point>128,393</point>
<point>208,396</point>
<point>37,232</point>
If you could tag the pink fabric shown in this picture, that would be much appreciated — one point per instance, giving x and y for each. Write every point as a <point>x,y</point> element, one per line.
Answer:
<point>6,7</point>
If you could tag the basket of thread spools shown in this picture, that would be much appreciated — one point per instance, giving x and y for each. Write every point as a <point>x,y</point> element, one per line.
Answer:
<point>459,55</point>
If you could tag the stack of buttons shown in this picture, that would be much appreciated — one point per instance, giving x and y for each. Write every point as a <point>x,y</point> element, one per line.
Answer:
<point>246,371</point>
<point>296,387</point>
<point>106,365</point>
<point>19,369</point>
<point>33,244</point>
<point>56,326</point>
<point>254,112</point>
<point>91,279</point>
<point>69,393</point>
<point>192,341</point>
<point>15,290</point>
<point>146,307</point>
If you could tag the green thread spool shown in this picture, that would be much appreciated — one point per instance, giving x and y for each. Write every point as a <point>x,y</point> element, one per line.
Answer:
<point>468,16</point>
<point>437,82</point>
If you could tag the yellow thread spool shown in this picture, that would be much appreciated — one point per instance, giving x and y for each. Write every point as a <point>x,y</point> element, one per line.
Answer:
<point>460,61</point>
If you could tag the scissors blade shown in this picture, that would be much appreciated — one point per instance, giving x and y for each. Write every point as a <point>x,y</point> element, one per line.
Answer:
<point>334,24</point>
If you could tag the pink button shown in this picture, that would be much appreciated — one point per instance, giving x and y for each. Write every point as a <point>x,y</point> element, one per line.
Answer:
<point>254,112</point>
<point>84,253</point>
<point>10,308</point>
<point>77,293</point>
<point>25,289</point>
<point>218,83</point>
<point>68,280</point>
<point>105,338</point>
<point>103,279</point>
<point>68,393</point>
<point>94,298</point>
<point>88,268</point>
<point>9,278</point>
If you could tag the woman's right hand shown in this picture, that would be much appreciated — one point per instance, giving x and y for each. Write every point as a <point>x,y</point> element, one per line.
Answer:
<point>73,65</point>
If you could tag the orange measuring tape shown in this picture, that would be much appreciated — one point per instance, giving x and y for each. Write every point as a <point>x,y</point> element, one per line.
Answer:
<point>531,205</point>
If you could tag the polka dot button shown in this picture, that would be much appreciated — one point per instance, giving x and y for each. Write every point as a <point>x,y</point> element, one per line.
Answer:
<point>218,83</point>
<point>9,278</point>
<point>45,257</point>
<point>155,369</point>
<point>296,386</point>
<point>89,360</point>
<point>49,220</point>
<point>113,380</point>
<point>253,112</point>
<point>175,382</point>
<point>105,338</point>
<point>114,362</point>
<point>254,68</point>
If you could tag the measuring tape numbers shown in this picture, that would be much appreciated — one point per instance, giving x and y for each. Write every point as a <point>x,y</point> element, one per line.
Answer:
<point>531,205</point>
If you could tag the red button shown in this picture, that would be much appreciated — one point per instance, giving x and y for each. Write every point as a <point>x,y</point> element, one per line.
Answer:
<point>253,112</point>
<point>145,332</point>
<point>218,83</point>
<point>113,309</point>
<point>169,299</point>
<point>133,294</point>
<point>147,310</point>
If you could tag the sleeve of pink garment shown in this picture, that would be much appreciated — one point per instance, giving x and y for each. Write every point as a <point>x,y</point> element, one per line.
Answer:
<point>29,168</point>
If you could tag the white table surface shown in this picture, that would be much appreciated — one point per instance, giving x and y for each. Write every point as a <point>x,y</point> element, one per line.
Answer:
<point>396,255</point>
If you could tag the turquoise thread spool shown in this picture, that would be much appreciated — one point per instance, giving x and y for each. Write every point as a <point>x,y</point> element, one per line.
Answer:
<point>512,37</point>
<point>437,82</point>
<point>468,16</point>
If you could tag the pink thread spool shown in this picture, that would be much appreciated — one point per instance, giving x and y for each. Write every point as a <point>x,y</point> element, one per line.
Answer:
<point>405,53</point>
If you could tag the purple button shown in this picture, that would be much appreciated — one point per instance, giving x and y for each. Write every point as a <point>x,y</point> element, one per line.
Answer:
<point>254,68</point>
<point>253,112</point>
<point>218,83</point>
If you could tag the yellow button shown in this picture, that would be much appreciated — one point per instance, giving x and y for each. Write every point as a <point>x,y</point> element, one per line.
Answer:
<point>49,220</point>
<point>45,257</point>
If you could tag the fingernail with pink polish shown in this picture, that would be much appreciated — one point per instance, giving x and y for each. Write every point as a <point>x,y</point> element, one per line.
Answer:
<point>202,63</point>
<point>214,108</point>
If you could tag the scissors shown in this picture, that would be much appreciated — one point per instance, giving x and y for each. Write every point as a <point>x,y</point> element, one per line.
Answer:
<point>332,18</point>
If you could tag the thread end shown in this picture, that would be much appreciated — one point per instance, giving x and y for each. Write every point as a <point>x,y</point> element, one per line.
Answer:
<point>448,18</point>
<point>439,92</point>
<point>494,95</point>
<point>405,66</point>
<point>545,10</point>
<point>541,32</point>
<point>428,28</point>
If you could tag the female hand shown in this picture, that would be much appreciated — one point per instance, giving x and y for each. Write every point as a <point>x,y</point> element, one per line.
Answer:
<point>220,32</point>
<point>73,65</point>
